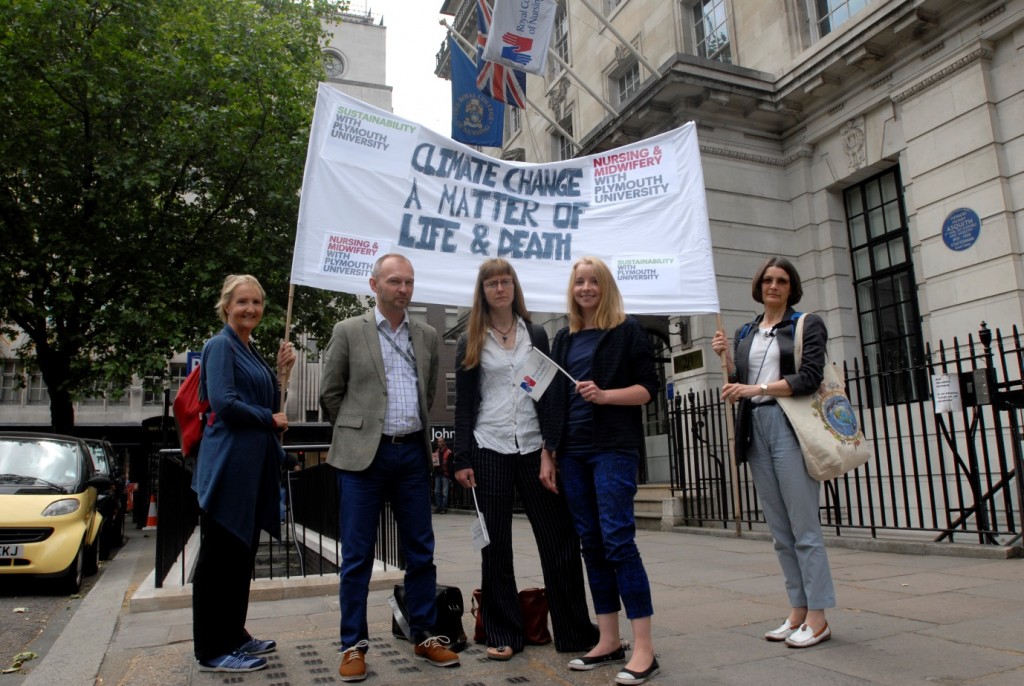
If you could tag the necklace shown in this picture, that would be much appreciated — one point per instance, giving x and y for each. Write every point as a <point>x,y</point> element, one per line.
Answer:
<point>506,332</point>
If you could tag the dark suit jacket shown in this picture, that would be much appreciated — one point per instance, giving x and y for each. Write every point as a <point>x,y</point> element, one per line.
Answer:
<point>354,391</point>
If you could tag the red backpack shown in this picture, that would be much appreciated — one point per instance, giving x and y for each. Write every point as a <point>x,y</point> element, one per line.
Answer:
<point>190,413</point>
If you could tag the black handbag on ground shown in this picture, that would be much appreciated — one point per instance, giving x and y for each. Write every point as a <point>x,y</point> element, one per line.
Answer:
<point>449,616</point>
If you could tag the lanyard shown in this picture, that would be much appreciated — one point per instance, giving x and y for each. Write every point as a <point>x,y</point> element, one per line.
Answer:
<point>405,355</point>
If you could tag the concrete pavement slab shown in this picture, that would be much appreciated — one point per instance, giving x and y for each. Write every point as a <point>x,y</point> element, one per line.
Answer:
<point>902,619</point>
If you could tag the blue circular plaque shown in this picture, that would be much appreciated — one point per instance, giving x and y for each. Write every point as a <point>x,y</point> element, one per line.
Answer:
<point>961,229</point>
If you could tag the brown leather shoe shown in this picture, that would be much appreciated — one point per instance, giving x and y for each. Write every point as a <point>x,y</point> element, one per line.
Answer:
<point>353,662</point>
<point>434,651</point>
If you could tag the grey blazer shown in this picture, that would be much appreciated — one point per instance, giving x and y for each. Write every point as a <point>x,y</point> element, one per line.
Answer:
<point>353,388</point>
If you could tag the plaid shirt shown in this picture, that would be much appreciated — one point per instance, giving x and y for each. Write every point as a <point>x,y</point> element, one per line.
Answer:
<point>403,413</point>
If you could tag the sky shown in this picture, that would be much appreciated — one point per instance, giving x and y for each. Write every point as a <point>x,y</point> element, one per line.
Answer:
<point>413,39</point>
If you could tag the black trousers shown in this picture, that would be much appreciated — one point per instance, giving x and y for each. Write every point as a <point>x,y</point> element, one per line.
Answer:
<point>498,478</point>
<point>220,590</point>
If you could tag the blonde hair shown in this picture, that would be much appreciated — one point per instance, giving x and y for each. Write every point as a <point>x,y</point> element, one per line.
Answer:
<point>610,311</point>
<point>479,315</point>
<point>232,282</point>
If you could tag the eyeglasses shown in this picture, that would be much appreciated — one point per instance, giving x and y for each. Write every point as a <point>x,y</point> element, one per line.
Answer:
<point>504,283</point>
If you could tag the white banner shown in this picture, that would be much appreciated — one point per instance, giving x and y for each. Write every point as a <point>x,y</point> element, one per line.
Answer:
<point>520,34</point>
<point>377,183</point>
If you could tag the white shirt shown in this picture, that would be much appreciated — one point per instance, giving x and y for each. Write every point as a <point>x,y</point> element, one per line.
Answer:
<point>506,421</point>
<point>763,362</point>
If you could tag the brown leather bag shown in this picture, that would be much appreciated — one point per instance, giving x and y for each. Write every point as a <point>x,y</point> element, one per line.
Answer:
<point>533,603</point>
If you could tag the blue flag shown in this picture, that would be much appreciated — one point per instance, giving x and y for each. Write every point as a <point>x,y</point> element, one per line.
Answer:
<point>477,119</point>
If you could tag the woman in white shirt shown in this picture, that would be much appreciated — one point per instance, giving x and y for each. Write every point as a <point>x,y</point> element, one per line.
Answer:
<point>498,445</point>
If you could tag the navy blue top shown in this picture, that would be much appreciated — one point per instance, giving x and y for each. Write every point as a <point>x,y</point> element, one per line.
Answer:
<point>237,476</point>
<point>622,357</point>
<point>579,433</point>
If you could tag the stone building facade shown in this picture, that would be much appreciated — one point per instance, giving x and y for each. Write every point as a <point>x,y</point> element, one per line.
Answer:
<point>876,143</point>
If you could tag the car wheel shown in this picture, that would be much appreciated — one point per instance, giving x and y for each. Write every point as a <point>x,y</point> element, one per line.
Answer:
<point>71,579</point>
<point>91,561</point>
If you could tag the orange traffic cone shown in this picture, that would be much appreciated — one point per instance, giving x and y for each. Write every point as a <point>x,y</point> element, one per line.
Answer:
<point>151,518</point>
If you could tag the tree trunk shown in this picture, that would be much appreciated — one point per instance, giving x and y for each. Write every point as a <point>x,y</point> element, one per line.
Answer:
<point>62,412</point>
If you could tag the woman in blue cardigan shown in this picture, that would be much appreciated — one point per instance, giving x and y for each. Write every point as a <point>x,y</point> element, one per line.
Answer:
<point>237,479</point>
<point>595,429</point>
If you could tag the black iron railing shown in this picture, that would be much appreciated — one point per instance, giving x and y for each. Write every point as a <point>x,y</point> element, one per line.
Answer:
<point>947,476</point>
<point>309,545</point>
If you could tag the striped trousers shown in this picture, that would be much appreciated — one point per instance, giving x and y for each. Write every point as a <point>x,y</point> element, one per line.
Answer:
<point>498,478</point>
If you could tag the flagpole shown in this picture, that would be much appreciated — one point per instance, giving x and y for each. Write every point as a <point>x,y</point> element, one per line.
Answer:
<point>615,32</point>
<point>464,41</point>
<point>287,336</point>
<point>730,437</point>
<point>576,77</point>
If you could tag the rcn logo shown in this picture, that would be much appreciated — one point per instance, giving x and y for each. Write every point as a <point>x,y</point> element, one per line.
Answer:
<point>528,384</point>
<point>516,48</point>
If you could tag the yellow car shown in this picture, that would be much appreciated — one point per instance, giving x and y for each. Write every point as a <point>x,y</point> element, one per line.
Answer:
<point>49,525</point>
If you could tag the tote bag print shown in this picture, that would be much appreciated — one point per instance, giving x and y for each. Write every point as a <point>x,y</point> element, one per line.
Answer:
<point>833,408</point>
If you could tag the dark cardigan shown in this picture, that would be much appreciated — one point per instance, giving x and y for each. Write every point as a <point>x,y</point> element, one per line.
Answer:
<point>623,357</point>
<point>804,382</point>
<point>467,397</point>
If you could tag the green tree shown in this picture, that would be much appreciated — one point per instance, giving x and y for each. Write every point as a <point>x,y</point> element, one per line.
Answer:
<point>148,148</point>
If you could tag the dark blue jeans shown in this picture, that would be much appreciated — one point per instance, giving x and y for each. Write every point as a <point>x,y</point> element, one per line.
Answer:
<point>398,475</point>
<point>607,528</point>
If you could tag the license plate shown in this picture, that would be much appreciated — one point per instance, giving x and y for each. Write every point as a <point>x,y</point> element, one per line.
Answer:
<point>7,551</point>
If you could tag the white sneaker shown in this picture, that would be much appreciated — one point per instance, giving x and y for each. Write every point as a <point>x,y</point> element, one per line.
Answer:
<point>782,633</point>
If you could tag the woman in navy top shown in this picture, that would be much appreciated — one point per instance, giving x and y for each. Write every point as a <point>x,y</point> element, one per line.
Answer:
<point>237,479</point>
<point>595,429</point>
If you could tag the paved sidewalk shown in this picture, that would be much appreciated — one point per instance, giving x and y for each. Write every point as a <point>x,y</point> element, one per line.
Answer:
<point>902,619</point>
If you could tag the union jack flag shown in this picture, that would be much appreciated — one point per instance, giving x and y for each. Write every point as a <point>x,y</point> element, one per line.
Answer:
<point>502,83</point>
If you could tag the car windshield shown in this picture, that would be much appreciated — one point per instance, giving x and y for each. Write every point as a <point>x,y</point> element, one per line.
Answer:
<point>55,462</point>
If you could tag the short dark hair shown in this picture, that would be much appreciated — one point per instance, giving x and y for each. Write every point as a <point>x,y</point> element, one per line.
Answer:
<point>796,290</point>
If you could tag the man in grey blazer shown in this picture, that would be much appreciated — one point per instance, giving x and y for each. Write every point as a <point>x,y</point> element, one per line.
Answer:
<point>378,381</point>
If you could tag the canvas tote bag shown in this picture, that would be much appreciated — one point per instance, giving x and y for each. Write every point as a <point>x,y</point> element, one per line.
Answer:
<point>825,422</point>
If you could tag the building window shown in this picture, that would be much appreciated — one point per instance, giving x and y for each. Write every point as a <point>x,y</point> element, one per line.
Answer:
<point>37,392</point>
<point>883,278</point>
<point>560,39</point>
<point>831,14</point>
<point>627,82</point>
<point>451,323</point>
<point>515,121</point>
<point>710,30</point>
<point>10,383</point>
<point>449,390</point>
<point>564,147</point>
<point>179,370</point>
<point>610,5</point>
<point>153,390</point>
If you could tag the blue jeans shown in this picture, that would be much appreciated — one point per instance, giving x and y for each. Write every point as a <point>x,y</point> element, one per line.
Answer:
<point>441,485</point>
<point>790,501</point>
<point>607,528</point>
<point>398,475</point>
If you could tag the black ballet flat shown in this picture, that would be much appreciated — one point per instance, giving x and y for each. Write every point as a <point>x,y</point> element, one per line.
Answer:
<point>582,664</point>
<point>630,676</point>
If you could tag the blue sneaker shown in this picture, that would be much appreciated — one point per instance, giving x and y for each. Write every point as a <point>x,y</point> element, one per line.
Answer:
<point>235,661</point>
<point>255,646</point>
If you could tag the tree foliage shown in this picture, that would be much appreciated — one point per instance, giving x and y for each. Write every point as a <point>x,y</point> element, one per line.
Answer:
<point>148,148</point>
